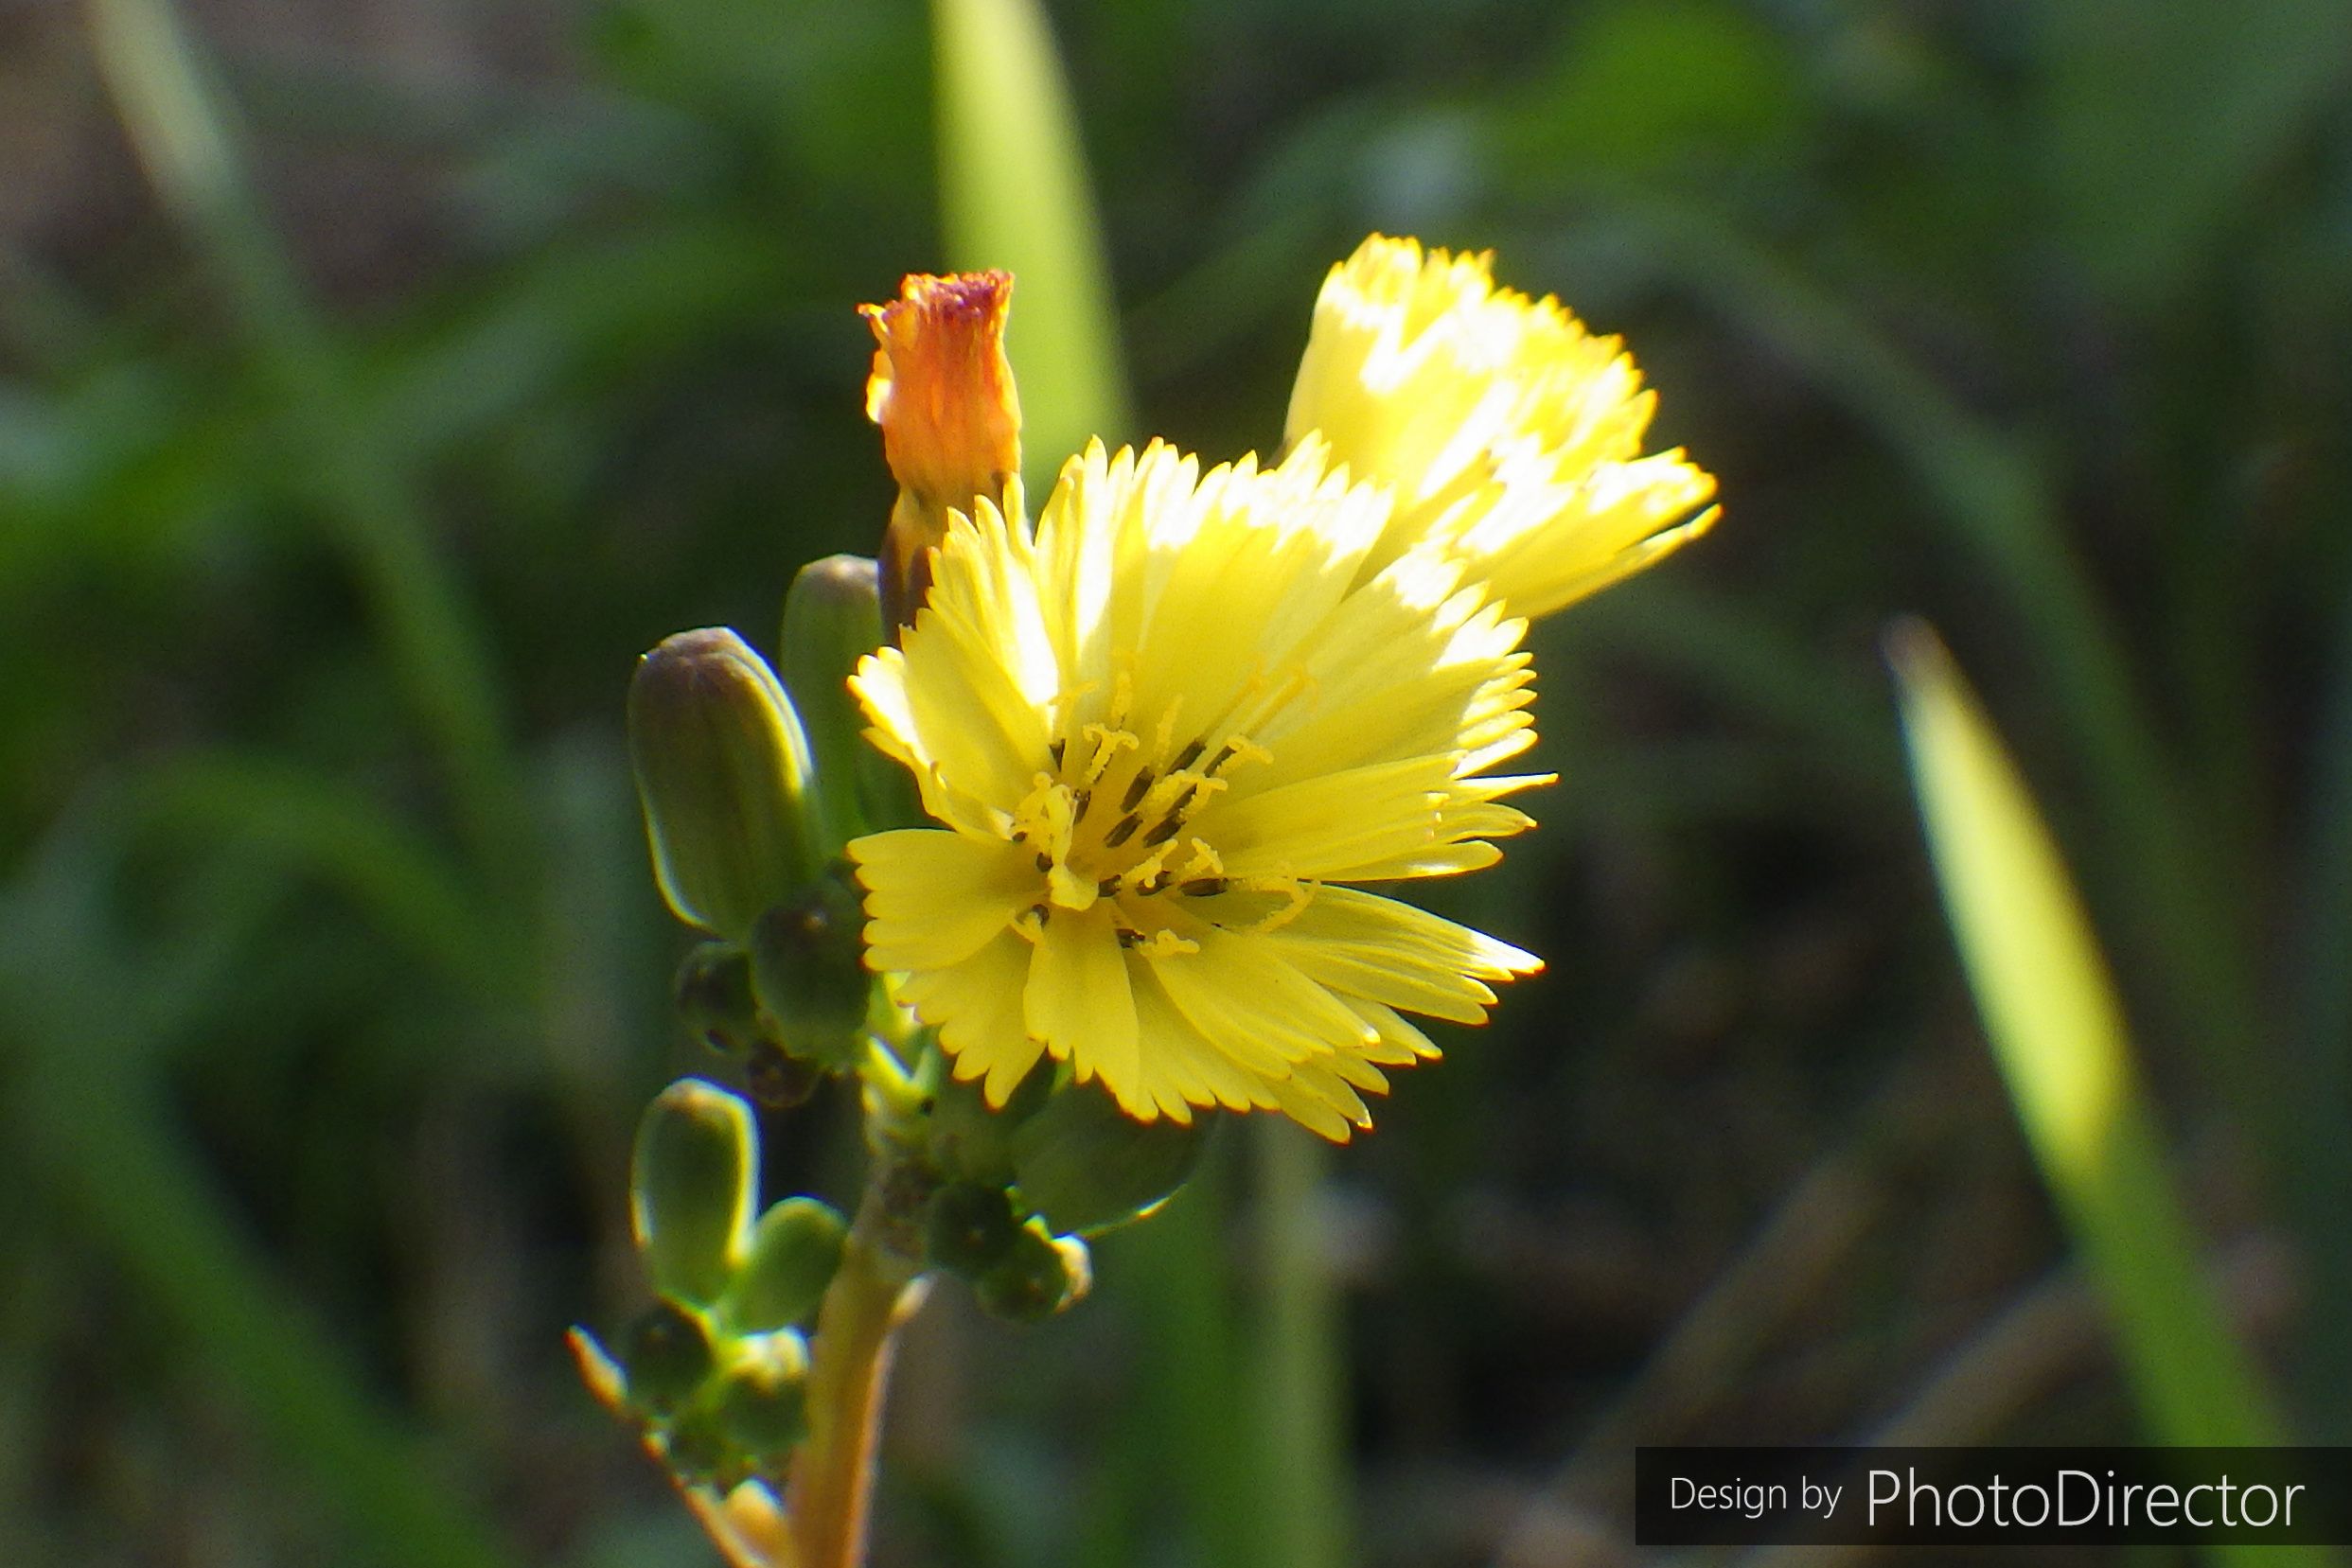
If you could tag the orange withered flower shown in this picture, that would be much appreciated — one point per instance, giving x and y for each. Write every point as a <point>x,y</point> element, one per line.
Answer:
<point>942,390</point>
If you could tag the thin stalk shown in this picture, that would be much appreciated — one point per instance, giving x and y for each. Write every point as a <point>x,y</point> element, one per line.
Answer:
<point>1303,1377</point>
<point>437,642</point>
<point>830,1495</point>
<point>1173,1273</point>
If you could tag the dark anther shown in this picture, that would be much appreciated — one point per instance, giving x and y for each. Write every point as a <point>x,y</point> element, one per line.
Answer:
<point>1078,804</point>
<point>1186,758</point>
<point>1055,751</point>
<point>1042,913</point>
<point>1176,808</point>
<point>1169,827</point>
<point>1121,832</point>
<point>1128,937</point>
<point>1203,887</point>
<point>1135,791</point>
<point>1225,755</point>
<point>1157,884</point>
<point>1108,885</point>
<point>1045,861</point>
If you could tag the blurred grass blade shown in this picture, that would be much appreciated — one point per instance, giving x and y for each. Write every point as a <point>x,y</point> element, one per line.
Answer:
<point>433,638</point>
<point>270,809</point>
<point>2158,125</point>
<point>1013,194</point>
<point>2056,1033</point>
<point>84,1023</point>
<point>1302,1380</point>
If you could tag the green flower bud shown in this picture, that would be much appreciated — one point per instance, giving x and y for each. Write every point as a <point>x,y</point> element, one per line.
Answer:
<point>762,1407</point>
<point>795,1249</point>
<point>1039,1275</point>
<point>1087,1166</point>
<point>692,1187</point>
<point>831,618</point>
<point>778,1082</point>
<point>713,995</point>
<point>971,1139</point>
<point>697,1451</point>
<point>666,1355</point>
<point>721,770</point>
<point>809,970</point>
<point>968,1229</point>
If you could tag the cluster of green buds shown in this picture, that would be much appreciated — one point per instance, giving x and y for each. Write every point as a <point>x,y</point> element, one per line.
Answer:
<point>753,778</point>
<point>716,1369</point>
<point>747,827</point>
<point>1004,1197</point>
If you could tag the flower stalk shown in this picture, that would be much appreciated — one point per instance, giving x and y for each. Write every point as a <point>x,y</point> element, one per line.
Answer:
<point>830,1498</point>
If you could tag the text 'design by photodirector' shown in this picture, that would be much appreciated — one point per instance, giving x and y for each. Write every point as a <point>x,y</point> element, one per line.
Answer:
<point>1961,1496</point>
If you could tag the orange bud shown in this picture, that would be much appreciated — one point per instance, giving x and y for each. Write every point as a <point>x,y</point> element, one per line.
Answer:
<point>942,390</point>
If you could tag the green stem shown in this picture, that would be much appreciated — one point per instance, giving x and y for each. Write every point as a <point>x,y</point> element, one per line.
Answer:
<point>831,1493</point>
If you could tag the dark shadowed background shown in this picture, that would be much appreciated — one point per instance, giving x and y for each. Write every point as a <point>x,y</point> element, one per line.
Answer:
<point>353,447</point>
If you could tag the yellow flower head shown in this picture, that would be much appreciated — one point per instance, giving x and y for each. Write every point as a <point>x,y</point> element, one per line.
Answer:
<point>1163,735</point>
<point>1508,434</point>
<point>942,390</point>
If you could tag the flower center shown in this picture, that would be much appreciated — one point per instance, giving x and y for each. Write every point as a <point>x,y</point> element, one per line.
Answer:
<point>1108,821</point>
<point>1110,816</point>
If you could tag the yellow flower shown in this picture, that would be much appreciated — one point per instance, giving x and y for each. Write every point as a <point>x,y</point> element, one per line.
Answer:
<point>942,390</point>
<point>1508,434</point>
<point>1162,736</point>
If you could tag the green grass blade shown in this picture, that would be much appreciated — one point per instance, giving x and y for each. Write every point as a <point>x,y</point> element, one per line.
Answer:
<point>1014,194</point>
<point>322,827</point>
<point>84,1023</point>
<point>2057,1035</point>
<point>1301,1382</point>
<point>430,633</point>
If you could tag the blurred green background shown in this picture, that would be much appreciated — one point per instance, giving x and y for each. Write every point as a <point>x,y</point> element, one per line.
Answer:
<point>378,379</point>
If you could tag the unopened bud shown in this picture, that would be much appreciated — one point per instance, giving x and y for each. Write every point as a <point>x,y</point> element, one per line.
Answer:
<point>1039,1275</point>
<point>697,1451</point>
<point>666,1355</point>
<point>714,995</point>
<point>692,1189</point>
<point>832,619</point>
<point>809,970</point>
<point>721,769</point>
<point>972,1139</point>
<point>968,1229</point>
<point>762,1407</point>
<point>778,1082</point>
<point>942,390</point>
<point>1087,1166</point>
<point>794,1252</point>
